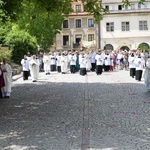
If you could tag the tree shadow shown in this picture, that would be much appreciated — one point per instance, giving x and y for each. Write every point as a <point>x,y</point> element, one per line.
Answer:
<point>49,115</point>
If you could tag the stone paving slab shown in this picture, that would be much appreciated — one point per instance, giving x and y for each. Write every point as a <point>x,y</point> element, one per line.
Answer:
<point>73,112</point>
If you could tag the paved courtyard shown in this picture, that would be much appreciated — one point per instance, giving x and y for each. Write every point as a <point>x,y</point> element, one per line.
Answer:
<point>73,112</point>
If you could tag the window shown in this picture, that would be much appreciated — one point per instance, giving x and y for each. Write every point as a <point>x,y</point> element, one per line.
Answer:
<point>132,6</point>
<point>125,26</point>
<point>78,38</point>
<point>110,26</point>
<point>139,6</point>
<point>78,8</point>
<point>65,40</point>
<point>107,7</point>
<point>90,22</point>
<point>90,37</point>
<point>65,24</point>
<point>126,7</point>
<point>119,7</point>
<point>78,23</point>
<point>143,25</point>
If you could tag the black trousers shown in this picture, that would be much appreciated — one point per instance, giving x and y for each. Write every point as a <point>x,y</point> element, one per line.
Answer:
<point>59,68</point>
<point>72,68</point>
<point>138,75</point>
<point>25,75</point>
<point>53,67</point>
<point>93,66</point>
<point>99,69</point>
<point>106,68</point>
<point>82,71</point>
<point>1,94</point>
<point>132,72</point>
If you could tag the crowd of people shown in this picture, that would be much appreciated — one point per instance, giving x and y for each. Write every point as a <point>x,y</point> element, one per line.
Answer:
<point>134,61</point>
<point>96,61</point>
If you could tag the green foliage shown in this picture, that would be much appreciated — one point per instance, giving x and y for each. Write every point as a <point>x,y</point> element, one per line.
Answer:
<point>143,47</point>
<point>43,18</point>
<point>128,2</point>
<point>39,23</point>
<point>5,53</point>
<point>20,43</point>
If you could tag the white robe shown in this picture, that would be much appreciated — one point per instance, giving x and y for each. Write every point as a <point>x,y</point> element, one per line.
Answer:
<point>99,60</point>
<point>132,62</point>
<point>7,78</point>
<point>72,59</point>
<point>34,69</point>
<point>25,64</point>
<point>139,63</point>
<point>107,61</point>
<point>82,62</point>
<point>47,62</point>
<point>58,62</point>
<point>88,64</point>
<point>147,77</point>
<point>64,63</point>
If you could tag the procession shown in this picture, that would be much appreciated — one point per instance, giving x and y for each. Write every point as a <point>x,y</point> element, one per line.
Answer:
<point>136,63</point>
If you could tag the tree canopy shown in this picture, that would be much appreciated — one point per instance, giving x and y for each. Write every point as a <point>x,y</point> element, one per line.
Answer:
<point>43,18</point>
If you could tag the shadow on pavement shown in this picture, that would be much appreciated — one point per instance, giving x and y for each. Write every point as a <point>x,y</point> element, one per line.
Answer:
<point>49,116</point>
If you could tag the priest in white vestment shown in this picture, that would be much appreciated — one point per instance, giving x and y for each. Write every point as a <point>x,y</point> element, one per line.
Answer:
<point>34,68</point>
<point>64,63</point>
<point>47,62</point>
<point>147,74</point>
<point>7,74</point>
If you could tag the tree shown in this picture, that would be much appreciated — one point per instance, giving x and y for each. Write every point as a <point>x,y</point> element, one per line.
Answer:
<point>40,23</point>
<point>13,7</point>
<point>20,43</point>
<point>43,18</point>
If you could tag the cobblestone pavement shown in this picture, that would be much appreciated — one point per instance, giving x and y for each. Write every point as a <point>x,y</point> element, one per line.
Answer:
<point>73,112</point>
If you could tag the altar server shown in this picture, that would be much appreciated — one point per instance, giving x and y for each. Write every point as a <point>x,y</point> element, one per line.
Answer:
<point>132,65</point>
<point>72,60</point>
<point>25,67</point>
<point>139,61</point>
<point>99,63</point>
<point>82,62</point>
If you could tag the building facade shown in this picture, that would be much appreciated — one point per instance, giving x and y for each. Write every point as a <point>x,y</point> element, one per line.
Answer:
<point>78,26</point>
<point>121,28</point>
<point>125,27</point>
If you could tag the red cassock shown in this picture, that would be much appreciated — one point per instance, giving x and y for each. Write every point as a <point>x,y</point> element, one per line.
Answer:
<point>2,82</point>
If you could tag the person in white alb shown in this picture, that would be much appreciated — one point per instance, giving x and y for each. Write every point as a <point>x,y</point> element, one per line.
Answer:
<point>53,62</point>
<point>47,62</point>
<point>132,65</point>
<point>147,74</point>
<point>25,67</point>
<point>106,61</point>
<point>72,60</point>
<point>99,63</point>
<point>58,62</point>
<point>139,61</point>
<point>82,62</point>
<point>7,74</point>
<point>64,63</point>
<point>34,68</point>
<point>88,64</point>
